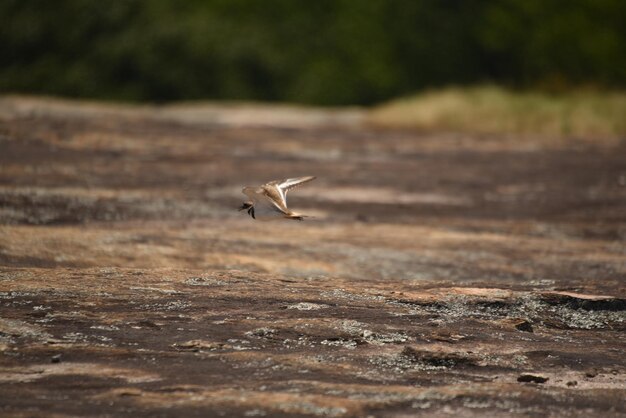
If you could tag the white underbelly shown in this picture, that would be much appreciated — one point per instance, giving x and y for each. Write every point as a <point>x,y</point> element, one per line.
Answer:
<point>267,212</point>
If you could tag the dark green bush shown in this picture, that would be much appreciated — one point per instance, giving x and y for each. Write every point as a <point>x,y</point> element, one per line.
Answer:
<point>321,52</point>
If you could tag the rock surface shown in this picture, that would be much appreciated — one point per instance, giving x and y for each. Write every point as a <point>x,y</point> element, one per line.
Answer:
<point>443,274</point>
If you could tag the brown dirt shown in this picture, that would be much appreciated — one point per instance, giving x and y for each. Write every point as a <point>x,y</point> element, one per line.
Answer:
<point>443,274</point>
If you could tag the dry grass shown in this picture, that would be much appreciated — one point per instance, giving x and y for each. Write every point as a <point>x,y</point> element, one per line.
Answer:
<point>488,109</point>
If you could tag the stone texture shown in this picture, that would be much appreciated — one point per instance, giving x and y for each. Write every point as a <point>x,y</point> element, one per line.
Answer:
<point>443,274</point>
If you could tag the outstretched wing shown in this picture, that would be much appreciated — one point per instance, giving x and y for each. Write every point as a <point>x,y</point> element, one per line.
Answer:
<point>275,198</point>
<point>288,184</point>
<point>265,199</point>
<point>283,186</point>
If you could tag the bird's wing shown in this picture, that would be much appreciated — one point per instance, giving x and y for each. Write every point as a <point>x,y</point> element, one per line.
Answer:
<point>283,186</point>
<point>274,195</point>
<point>266,198</point>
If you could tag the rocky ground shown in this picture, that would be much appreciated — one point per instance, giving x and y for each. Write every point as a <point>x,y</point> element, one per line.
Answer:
<point>443,274</point>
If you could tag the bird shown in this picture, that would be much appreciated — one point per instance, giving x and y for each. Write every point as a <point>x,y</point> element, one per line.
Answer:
<point>269,201</point>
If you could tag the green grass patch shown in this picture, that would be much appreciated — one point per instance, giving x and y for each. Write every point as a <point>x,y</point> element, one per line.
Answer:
<point>494,110</point>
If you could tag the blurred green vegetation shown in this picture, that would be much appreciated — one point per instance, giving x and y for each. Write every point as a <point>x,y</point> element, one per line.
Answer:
<point>598,116</point>
<point>327,52</point>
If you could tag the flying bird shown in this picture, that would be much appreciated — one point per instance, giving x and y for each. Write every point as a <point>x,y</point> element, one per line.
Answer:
<point>269,201</point>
